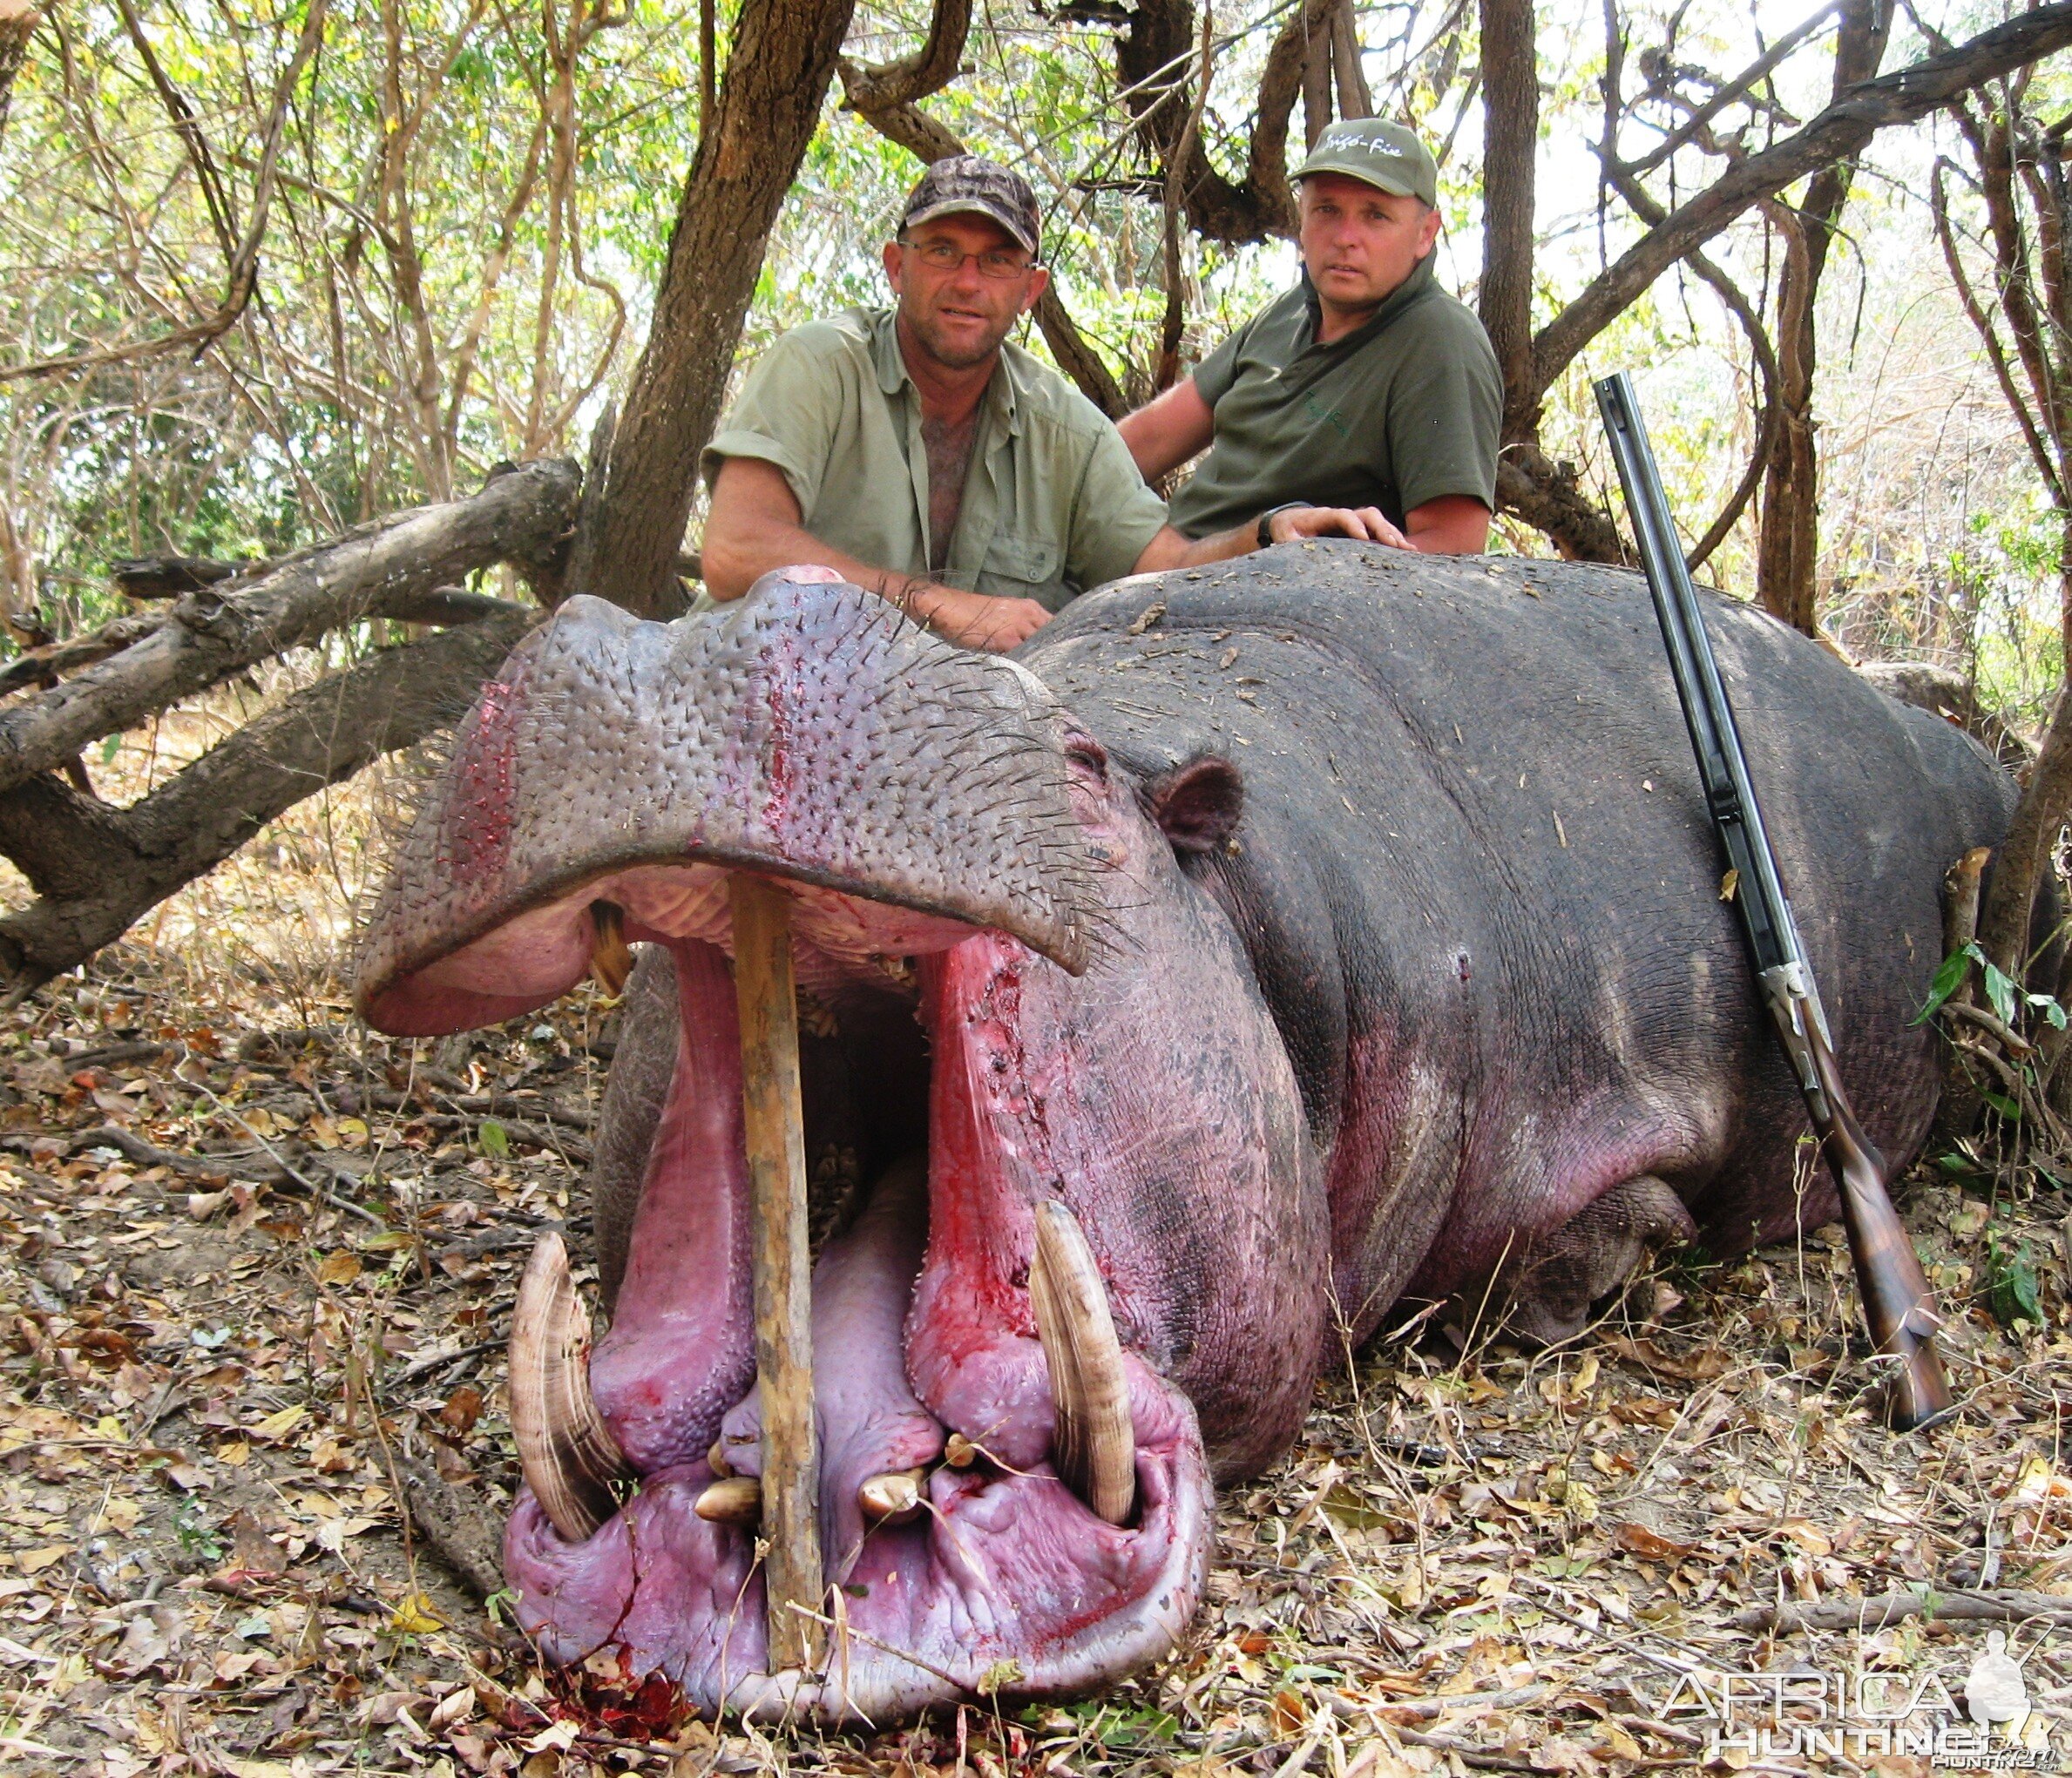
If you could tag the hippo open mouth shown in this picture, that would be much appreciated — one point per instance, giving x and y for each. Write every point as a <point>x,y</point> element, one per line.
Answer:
<point>1014,1488</point>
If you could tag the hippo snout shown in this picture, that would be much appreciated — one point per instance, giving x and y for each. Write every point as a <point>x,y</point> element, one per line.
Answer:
<point>1010,1092</point>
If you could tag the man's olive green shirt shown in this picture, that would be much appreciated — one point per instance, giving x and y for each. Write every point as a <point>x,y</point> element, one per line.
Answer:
<point>1402,410</point>
<point>1053,504</point>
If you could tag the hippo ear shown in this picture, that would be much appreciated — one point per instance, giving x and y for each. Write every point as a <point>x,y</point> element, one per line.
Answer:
<point>1197,805</point>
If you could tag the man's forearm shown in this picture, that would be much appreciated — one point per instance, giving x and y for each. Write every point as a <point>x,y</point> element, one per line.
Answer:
<point>1170,550</point>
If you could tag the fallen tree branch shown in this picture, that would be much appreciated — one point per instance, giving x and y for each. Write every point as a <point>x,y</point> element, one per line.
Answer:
<point>2001,1606</point>
<point>385,571</point>
<point>96,870</point>
<point>41,666</point>
<point>1545,494</point>
<point>46,664</point>
<point>167,576</point>
<point>460,1533</point>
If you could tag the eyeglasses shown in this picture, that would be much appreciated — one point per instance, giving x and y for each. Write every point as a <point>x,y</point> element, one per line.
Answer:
<point>995,262</point>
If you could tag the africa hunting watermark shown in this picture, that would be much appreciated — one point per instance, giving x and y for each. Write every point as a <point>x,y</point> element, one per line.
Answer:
<point>1750,1718</point>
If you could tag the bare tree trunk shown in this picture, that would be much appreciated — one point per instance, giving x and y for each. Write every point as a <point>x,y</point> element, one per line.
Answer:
<point>1510,152</point>
<point>1788,550</point>
<point>783,60</point>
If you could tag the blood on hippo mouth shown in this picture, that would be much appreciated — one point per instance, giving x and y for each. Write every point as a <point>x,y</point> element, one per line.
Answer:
<point>1011,1500</point>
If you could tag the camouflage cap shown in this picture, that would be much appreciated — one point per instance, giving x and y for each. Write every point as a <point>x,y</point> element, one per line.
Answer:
<point>1380,153</point>
<point>971,184</point>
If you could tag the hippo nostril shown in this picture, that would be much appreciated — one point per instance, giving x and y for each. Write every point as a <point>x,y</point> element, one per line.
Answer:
<point>732,1500</point>
<point>893,1497</point>
<point>1095,1446</point>
<point>611,957</point>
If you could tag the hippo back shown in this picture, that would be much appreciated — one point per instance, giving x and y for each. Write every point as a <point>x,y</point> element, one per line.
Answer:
<point>1479,888</point>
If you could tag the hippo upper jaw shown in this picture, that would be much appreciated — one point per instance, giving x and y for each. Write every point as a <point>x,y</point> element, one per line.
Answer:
<point>809,730</point>
<point>922,809</point>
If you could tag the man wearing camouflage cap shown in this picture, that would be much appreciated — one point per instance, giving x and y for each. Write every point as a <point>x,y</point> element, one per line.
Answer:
<point>1366,387</point>
<point>919,454</point>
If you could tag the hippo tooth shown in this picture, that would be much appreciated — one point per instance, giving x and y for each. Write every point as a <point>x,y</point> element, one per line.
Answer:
<point>732,1500</point>
<point>567,1451</point>
<point>611,957</point>
<point>1095,1446</point>
<point>891,1498</point>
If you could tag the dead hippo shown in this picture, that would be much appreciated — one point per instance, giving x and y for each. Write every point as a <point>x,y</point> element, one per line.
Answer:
<point>1340,926</point>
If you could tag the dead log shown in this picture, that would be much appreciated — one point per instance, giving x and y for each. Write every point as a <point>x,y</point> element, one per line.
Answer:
<point>385,569</point>
<point>44,666</point>
<point>167,576</point>
<point>97,868</point>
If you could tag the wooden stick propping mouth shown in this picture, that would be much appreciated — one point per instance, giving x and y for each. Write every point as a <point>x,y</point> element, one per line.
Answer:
<point>773,1120</point>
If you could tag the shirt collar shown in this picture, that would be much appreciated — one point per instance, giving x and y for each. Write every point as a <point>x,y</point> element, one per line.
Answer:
<point>1003,394</point>
<point>1412,289</point>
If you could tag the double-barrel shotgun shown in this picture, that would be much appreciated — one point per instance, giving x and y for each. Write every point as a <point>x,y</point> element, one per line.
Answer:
<point>1898,1302</point>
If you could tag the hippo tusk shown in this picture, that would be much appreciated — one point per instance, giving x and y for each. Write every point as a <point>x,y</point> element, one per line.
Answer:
<point>567,1453</point>
<point>731,1500</point>
<point>1095,1446</point>
<point>611,957</point>
<point>891,1498</point>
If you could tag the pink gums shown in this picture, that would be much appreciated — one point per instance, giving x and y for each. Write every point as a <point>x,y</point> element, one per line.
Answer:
<point>1004,1567</point>
<point>681,1350</point>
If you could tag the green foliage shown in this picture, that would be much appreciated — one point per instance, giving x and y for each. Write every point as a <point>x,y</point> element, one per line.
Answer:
<point>2002,993</point>
<point>2012,1291</point>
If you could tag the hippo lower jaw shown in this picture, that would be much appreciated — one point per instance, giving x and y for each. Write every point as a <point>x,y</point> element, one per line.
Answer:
<point>1006,1582</point>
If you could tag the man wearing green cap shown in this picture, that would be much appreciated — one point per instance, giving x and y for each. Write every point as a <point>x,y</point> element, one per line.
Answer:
<point>1365,388</point>
<point>917,452</point>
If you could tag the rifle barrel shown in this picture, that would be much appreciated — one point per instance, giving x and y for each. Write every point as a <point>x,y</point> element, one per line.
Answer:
<point>1897,1303</point>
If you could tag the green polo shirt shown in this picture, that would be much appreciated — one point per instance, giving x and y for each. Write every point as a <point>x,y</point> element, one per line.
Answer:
<point>1401,411</point>
<point>1053,504</point>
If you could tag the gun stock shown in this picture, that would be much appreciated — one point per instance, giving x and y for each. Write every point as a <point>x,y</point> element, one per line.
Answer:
<point>1898,1305</point>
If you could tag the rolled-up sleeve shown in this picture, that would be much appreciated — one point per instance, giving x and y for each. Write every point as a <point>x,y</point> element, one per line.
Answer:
<point>1113,516</point>
<point>1444,413</point>
<point>787,414</point>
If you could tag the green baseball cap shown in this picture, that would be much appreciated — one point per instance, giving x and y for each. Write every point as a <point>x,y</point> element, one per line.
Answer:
<point>1381,154</point>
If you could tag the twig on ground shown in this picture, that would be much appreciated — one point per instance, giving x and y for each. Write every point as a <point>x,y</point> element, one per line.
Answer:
<point>2003,1606</point>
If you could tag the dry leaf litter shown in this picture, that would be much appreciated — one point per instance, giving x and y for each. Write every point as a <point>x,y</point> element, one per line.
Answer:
<point>257,1269</point>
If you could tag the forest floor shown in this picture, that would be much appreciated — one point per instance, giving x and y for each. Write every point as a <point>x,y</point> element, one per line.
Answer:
<point>256,1268</point>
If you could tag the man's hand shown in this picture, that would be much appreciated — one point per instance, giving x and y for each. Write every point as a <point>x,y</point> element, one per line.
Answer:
<point>974,619</point>
<point>1362,522</point>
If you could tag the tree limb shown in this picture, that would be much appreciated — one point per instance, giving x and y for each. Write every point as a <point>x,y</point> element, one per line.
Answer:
<point>1510,152</point>
<point>242,276</point>
<point>382,571</point>
<point>869,87</point>
<point>99,869</point>
<point>38,666</point>
<point>1842,129</point>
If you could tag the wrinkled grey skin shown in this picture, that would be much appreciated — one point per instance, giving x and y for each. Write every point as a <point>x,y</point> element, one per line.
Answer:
<point>1402,967</point>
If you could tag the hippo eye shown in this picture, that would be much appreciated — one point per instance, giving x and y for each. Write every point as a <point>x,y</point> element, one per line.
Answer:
<point>1089,754</point>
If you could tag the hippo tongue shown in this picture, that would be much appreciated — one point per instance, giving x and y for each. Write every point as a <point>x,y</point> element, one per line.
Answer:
<point>807,730</point>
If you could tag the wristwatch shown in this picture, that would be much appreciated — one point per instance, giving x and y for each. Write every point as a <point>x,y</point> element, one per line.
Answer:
<point>1266,518</point>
